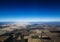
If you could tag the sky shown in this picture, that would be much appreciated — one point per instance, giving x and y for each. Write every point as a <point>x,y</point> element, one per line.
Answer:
<point>29,10</point>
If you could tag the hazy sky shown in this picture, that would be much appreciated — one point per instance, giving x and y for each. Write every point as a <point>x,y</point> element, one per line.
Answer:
<point>29,10</point>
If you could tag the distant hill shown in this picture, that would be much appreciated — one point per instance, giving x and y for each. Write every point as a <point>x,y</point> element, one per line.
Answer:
<point>1,23</point>
<point>48,23</point>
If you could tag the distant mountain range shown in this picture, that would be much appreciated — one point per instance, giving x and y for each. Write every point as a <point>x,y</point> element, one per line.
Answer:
<point>48,23</point>
<point>1,23</point>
